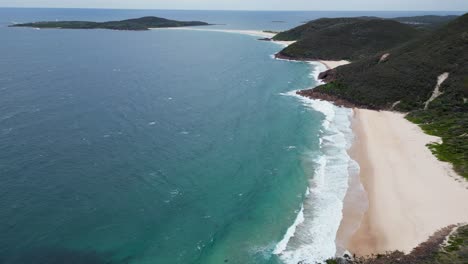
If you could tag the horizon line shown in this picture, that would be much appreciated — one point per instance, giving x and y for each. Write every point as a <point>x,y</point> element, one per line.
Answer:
<point>243,10</point>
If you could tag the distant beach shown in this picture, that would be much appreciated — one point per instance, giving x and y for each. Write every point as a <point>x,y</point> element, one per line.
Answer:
<point>333,64</point>
<point>254,33</point>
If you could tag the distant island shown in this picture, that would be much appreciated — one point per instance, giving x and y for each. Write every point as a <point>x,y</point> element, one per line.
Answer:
<point>138,24</point>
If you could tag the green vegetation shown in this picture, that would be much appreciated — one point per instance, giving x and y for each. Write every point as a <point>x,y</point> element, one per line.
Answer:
<point>433,251</point>
<point>355,38</point>
<point>420,22</point>
<point>144,23</point>
<point>345,38</point>
<point>452,128</point>
<point>456,249</point>
<point>409,75</point>
<point>314,26</point>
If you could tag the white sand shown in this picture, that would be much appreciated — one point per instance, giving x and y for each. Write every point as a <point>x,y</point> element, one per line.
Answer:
<point>334,64</point>
<point>254,33</point>
<point>411,193</point>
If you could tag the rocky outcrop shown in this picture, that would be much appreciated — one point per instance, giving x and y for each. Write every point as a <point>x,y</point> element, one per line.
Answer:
<point>281,56</point>
<point>328,76</point>
<point>326,97</point>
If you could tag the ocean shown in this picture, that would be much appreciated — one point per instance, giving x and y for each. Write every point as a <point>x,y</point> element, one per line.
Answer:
<point>166,146</point>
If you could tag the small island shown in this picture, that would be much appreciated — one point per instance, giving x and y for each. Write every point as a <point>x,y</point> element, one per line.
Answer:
<point>138,24</point>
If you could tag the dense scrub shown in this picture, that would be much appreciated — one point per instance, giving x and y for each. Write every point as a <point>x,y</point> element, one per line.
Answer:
<point>420,22</point>
<point>350,40</point>
<point>354,38</point>
<point>314,26</point>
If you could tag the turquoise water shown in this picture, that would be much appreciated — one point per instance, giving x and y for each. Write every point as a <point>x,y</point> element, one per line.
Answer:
<point>158,146</point>
<point>153,147</point>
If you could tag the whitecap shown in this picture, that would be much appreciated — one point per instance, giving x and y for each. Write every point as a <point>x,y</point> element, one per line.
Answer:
<point>311,238</point>
<point>281,246</point>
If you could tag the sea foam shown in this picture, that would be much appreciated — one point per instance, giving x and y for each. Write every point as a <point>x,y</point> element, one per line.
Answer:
<point>311,238</point>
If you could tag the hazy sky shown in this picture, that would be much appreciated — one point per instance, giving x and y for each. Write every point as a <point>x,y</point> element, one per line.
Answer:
<point>420,5</point>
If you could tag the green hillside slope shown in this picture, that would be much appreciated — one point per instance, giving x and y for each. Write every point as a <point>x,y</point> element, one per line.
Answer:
<point>420,22</point>
<point>348,39</point>
<point>314,26</point>
<point>405,80</point>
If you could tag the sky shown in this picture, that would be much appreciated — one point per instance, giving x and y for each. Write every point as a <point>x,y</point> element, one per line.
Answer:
<point>361,5</point>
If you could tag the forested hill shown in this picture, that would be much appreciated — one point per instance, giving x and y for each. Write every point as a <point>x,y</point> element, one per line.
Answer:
<point>420,22</point>
<point>345,38</point>
<point>143,23</point>
<point>405,79</point>
<point>314,26</point>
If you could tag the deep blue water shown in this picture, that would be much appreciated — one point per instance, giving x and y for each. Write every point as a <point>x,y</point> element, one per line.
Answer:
<point>151,147</point>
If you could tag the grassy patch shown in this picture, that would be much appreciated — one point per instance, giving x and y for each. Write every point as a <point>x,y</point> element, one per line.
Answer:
<point>452,128</point>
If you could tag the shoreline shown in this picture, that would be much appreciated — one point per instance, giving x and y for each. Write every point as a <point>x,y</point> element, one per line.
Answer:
<point>408,189</point>
<point>329,64</point>
<point>326,190</point>
<point>333,64</point>
<point>254,33</point>
<point>355,203</point>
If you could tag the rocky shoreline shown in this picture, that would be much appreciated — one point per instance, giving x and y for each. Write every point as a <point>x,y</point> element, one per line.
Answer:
<point>281,56</point>
<point>310,93</point>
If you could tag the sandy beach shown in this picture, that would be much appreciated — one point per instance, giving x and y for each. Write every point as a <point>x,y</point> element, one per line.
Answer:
<point>334,64</point>
<point>410,193</point>
<point>254,33</point>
